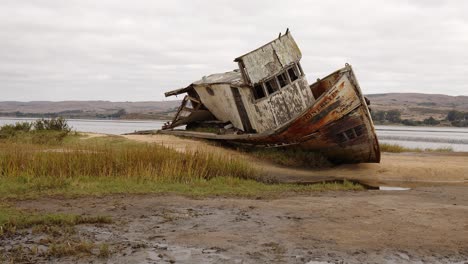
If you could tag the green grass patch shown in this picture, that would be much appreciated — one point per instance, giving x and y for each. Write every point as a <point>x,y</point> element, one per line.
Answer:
<point>12,219</point>
<point>57,231</point>
<point>104,250</point>
<point>70,249</point>
<point>42,131</point>
<point>394,148</point>
<point>17,188</point>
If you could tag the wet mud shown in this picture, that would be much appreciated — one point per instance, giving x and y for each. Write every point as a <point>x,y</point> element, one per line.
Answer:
<point>420,225</point>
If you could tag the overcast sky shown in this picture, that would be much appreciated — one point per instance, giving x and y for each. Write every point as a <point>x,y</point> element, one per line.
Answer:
<point>136,50</point>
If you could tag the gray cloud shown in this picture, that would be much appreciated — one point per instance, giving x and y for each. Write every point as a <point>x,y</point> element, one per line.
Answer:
<point>136,50</point>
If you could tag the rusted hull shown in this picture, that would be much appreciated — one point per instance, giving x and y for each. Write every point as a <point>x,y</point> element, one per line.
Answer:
<point>338,124</point>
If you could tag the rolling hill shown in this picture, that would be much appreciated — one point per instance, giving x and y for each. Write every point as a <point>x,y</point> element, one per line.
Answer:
<point>90,109</point>
<point>415,106</point>
<point>418,106</point>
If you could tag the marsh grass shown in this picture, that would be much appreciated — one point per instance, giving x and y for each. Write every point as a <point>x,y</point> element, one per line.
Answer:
<point>394,148</point>
<point>137,161</point>
<point>113,164</point>
<point>108,165</point>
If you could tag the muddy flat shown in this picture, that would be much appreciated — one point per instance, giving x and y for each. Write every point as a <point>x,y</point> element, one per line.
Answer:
<point>420,225</point>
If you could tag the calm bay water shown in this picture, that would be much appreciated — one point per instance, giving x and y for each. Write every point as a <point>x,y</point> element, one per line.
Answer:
<point>100,126</point>
<point>421,137</point>
<point>424,137</point>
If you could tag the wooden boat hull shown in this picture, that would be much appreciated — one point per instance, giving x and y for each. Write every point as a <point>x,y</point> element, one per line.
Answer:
<point>338,124</point>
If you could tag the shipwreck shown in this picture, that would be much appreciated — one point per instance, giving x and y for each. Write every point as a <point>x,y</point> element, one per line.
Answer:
<point>268,102</point>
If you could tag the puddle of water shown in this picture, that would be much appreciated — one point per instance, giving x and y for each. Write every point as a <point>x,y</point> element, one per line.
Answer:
<point>391,188</point>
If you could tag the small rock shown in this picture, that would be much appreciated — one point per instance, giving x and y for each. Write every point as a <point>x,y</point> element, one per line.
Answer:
<point>403,256</point>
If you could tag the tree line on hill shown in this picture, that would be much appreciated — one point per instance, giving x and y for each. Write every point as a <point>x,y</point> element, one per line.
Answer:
<point>455,118</point>
<point>67,114</point>
<point>80,114</point>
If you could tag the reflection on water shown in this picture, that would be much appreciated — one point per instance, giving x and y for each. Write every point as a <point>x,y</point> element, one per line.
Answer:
<point>413,137</point>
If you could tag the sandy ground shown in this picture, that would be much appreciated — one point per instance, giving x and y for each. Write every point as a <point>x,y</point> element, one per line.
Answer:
<point>427,224</point>
<point>397,169</point>
<point>423,225</point>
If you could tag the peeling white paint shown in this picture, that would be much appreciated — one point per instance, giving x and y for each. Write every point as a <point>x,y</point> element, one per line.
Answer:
<point>270,59</point>
<point>221,103</point>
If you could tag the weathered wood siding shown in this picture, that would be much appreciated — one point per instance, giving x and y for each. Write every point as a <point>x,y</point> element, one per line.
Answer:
<point>278,108</point>
<point>260,114</point>
<point>220,101</point>
<point>270,59</point>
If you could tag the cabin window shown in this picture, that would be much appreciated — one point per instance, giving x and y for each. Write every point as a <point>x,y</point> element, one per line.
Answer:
<point>283,79</point>
<point>359,130</point>
<point>293,75</point>
<point>350,133</point>
<point>341,138</point>
<point>271,86</point>
<point>258,91</point>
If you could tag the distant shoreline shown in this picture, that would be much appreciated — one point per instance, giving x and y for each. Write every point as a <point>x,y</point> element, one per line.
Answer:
<point>83,119</point>
<point>167,119</point>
